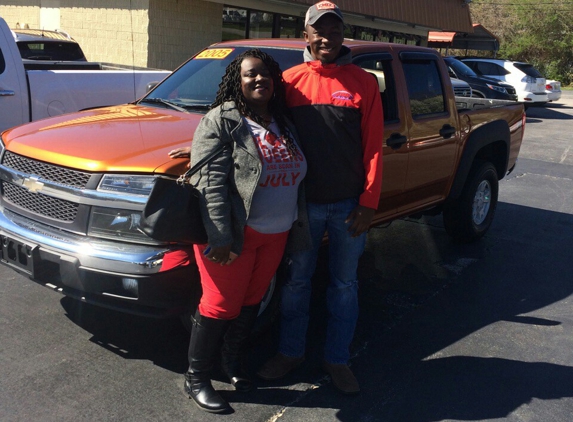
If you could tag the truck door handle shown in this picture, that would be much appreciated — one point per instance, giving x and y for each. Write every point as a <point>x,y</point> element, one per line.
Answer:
<point>5,93</point>
<point>396,140</point>
<point>447,131</point>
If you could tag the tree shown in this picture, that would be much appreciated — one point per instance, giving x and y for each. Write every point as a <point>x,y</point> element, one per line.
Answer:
<point>534,31</point>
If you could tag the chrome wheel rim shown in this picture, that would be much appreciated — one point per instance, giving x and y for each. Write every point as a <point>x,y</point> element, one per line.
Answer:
<point>482,202</point>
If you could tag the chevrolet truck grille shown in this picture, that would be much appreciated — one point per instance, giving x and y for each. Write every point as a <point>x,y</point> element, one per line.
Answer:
<point>40,204</point>
<point>59,175</point>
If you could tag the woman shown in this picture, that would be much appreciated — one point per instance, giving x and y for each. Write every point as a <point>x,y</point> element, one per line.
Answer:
<point>250,194</point>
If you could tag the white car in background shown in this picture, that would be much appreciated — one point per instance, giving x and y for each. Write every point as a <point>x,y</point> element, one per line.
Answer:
<point>553,89</point>
<point>529,84</point>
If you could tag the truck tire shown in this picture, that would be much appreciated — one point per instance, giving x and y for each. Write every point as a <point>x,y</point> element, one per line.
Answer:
<point>469,217</point>
<point>267,313</point>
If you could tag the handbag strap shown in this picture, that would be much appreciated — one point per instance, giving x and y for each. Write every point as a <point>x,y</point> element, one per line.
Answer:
<point>205,160</point>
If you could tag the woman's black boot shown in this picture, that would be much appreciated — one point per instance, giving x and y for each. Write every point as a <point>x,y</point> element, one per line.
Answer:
<point>234,345</point>
<point>205,340</point>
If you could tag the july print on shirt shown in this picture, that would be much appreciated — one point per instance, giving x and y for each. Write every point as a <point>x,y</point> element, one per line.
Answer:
<point>282,167</point>
<point>274,205</point>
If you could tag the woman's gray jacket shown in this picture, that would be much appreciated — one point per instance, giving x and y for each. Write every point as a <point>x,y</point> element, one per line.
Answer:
<point>228,182</point>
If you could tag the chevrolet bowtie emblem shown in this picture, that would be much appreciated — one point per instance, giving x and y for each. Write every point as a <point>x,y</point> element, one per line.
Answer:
<point>32,184</point>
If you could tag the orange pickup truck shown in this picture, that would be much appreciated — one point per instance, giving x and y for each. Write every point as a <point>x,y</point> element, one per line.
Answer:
<point>73,186</point>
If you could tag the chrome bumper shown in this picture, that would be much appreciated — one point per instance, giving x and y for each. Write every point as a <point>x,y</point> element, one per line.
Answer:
<point>121,276</point>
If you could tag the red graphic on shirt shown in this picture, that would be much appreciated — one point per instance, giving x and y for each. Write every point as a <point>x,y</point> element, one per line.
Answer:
<point>343,95</point>
<point>280,163</point>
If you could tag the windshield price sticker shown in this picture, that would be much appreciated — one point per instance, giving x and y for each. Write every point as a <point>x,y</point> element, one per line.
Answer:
<point>214,53</point>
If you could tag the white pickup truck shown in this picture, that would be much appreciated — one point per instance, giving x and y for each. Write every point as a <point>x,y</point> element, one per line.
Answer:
<point>31,90</point>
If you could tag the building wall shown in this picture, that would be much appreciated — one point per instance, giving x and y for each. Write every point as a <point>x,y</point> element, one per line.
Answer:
<point>112,31</point>
<point>180,28</point>
<point>21,12</point>
<point>146,33</point>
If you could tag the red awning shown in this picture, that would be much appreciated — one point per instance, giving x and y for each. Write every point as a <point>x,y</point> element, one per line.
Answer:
<point>446,37</point>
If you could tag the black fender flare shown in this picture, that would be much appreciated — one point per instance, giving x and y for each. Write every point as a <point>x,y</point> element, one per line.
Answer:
<point>488,134</point>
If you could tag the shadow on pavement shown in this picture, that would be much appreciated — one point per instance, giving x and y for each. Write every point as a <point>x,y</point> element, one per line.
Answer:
<point>414,358</point>
<point>535,114</point>
<point>422,297</point>
<point>162,341</point>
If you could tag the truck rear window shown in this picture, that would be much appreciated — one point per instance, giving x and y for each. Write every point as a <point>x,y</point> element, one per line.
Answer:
<point>48,50</point>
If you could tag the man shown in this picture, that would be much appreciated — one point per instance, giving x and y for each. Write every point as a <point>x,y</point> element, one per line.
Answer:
<point>338,113</point>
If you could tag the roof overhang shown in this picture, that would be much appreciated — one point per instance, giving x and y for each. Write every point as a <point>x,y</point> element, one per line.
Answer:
<point>480,39</point>
<point>392,15</point>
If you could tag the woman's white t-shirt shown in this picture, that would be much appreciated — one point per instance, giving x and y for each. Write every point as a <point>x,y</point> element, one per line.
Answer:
<point>274,204</point>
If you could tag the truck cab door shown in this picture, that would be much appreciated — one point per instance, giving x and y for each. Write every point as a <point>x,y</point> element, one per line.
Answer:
<point>433,142</point>
<point>395,155</point>
<point>13,90</point>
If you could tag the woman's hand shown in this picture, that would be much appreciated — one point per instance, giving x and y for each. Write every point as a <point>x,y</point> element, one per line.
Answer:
<point>219,254</point>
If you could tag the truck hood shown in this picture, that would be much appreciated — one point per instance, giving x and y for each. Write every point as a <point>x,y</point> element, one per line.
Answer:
<point>126,138</point>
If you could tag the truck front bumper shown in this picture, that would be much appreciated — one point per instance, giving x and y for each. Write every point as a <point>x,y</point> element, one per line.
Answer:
<point>122,276</point>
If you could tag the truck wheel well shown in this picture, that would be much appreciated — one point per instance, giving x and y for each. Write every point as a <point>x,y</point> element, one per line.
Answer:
<point>496,153</point>
<point>479,146</point>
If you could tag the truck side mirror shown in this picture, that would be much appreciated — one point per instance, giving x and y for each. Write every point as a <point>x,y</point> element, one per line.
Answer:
<point>151,85</point>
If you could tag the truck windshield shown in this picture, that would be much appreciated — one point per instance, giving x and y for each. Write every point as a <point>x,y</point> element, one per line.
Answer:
<point>194,85</point>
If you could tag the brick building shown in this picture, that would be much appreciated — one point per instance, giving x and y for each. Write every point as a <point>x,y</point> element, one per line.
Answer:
<point>164,33</point>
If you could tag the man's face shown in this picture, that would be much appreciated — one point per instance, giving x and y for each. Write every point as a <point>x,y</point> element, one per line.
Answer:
<point>325,38</point>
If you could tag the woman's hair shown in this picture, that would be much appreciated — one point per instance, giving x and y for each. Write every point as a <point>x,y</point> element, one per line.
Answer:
<point>230,89</point>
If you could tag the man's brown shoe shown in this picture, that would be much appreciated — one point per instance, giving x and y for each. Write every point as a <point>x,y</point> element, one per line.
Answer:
<point>342,378</point>
<point>278,366</point>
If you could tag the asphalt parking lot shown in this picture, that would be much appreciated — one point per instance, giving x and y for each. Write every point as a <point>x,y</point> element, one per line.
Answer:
<point>480,332</point>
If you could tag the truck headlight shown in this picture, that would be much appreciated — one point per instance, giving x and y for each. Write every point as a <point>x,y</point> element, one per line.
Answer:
<point>126,184</point>
<point>117,224</point>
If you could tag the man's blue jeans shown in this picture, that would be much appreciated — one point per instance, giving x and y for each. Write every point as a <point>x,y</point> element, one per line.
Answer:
<point>342,292</point>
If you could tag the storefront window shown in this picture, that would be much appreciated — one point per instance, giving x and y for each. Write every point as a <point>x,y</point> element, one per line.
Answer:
<point>291,27</point>
<point>261,25</point>
<point>234,24</point>
<point>247,23</point>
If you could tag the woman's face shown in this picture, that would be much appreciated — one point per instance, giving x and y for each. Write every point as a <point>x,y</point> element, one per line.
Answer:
<point>256,82</point>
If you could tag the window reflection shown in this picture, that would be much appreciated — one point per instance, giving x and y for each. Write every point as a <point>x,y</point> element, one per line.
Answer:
<point>261,25</point>
<point>234,24</point>
<point>239,23</point>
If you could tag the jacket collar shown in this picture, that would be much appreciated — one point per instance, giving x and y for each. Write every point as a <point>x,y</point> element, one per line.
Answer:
<point>230,111</point>
<point>238,128</point>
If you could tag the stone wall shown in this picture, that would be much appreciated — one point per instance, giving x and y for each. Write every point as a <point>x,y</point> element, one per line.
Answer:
<point>21,12</point>
<point>180,28</point>
<point>147,33</point>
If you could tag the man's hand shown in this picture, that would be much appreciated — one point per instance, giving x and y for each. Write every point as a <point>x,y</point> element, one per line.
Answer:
<point>360,217</point>
<point>180,153</point>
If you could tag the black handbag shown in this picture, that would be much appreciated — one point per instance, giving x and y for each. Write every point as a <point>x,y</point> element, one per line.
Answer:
<point>172,212</point>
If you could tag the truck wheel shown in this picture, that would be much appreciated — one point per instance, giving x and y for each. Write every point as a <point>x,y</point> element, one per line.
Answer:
<point>469,217</point>
<point>267,313</point>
